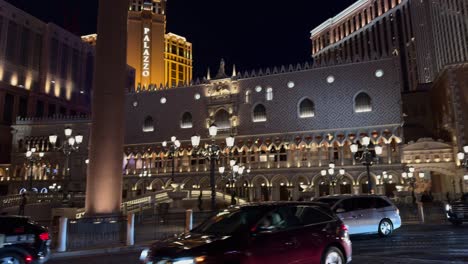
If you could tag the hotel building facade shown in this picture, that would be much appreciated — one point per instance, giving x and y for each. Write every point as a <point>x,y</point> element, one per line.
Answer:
<point>288,125</point>
<point>426,35</point>
<point>160,59</point>
<point>45,71</point>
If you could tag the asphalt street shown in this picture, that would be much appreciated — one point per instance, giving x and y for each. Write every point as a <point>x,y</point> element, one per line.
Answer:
<point>429,244</point>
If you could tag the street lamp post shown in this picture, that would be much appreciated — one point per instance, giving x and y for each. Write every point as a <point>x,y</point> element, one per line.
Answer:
<point>463,158</point>
<point>367,156</point>
<point>384,179</point>
<point>211,152</point>
<point>236,171</point>
<point>174,146</point>
<point>32,156</point>
<point>68,146</point>
<point>410,179</point>
<point>332,176</point>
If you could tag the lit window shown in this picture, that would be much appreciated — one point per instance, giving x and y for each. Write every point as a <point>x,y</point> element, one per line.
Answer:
<point>248,97</point>
<point>269,94</point>
<point>306,108</point>
<point>330,79</point>
<point>163,100</point>
<point>258,89</point>
<point>259,113</point>
<point>186,121</point>
<point>223,119</point>
<point>362,103</point>
<point>148,124</point>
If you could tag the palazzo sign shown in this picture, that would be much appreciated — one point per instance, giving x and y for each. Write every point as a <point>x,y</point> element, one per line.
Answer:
<point>146,52</point>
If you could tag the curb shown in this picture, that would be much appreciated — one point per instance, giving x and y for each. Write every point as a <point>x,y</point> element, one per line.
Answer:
<point>99,251</point>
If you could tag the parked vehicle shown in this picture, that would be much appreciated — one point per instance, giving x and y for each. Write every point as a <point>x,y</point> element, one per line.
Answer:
<point>365,214</point>
<point>457,211</point>
<point>23,241</point>
<point>286,232</point>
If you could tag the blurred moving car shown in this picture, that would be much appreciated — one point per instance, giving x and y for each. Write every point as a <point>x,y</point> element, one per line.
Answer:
<point>287,232</point>
<point>457,211</point>
<point>23,241</point>
<point>365,214</point>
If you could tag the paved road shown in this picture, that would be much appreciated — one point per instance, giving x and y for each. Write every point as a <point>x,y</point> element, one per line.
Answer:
<point>428,244</point>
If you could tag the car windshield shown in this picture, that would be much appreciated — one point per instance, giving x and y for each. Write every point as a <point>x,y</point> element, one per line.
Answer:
<point>228,222</point>
<point>329,201</point>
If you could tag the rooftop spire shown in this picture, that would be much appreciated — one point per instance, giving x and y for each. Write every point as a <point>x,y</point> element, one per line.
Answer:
<point>234,74</point>
<point>222,71</point>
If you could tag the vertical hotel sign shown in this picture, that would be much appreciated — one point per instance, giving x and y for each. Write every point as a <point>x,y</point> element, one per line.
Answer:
<point>146,53</point>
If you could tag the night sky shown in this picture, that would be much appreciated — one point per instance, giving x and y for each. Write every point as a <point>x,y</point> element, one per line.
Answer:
<point>252,34</point>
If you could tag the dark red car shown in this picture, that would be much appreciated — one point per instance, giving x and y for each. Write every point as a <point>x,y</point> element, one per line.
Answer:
<point>289,232</point>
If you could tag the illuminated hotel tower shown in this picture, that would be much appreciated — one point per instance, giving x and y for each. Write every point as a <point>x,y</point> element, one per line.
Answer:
<point>158,58</point>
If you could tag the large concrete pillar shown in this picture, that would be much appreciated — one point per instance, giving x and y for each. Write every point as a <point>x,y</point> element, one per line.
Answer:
<point>104,180</point>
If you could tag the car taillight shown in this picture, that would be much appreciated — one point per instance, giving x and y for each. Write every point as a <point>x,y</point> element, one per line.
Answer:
<point>28,259</point>
<point>44,236</point>
<point>342,231</point>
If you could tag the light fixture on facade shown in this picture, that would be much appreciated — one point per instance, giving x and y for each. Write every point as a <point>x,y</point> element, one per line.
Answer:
<point>197,96</point>
<point>379,73</point>
<point>291,84</point>
<point>330,79</point>
<point>163,100</point>
<point>258,88</point>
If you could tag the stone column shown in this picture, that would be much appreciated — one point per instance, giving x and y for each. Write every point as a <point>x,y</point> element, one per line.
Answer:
<point>342,155</point>
<point>104,179</point>
<point>320,156</point>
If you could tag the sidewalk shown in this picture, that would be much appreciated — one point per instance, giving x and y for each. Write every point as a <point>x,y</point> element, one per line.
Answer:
<point>99,251</point>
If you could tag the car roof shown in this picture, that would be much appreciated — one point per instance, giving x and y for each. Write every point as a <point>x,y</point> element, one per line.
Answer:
<point>273,204</point>
<point>341,196</point>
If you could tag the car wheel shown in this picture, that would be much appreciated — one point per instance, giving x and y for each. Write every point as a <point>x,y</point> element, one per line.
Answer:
<point>11,258</point>
<point>385,228</point>
<point>333,256</point>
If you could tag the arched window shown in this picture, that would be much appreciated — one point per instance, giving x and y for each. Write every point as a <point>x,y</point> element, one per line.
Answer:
<point>222,119</point>
<point>259,113</point>
<point>269,94</point>
<point>306,108</point>
<point>362,103</point>
<point>248,97</point>
<point>186,121</point>
<point>148,124</point>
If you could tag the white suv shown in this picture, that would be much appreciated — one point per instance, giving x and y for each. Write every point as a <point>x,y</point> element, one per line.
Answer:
<point>364,214</point>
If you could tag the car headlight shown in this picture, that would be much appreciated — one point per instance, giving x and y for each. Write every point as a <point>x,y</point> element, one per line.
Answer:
<point>448,207</point>
<point>195,260</point>
<point>144,256</point>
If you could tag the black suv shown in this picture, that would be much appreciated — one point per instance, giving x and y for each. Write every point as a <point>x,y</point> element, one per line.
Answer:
<point>23,241</point>
<point>457,211</point>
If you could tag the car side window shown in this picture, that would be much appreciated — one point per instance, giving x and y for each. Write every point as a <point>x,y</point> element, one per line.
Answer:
<point>279,219</point>
<point>310,215</point>
<point>348,205</point>
<point>381,203</point>
<point>363,203</point>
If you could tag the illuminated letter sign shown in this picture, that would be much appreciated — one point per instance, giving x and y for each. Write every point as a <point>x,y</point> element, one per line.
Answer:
<point>146,52</point>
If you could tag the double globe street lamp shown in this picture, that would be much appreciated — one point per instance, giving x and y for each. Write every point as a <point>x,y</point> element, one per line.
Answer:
<point>367,155</point>
<point>409,177</point>
<point>174,146</point>
<point>235,172</point>
<point>333,177</point>
<point>68,146</point>
<point>212,152</point>
<point>33,157</point>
